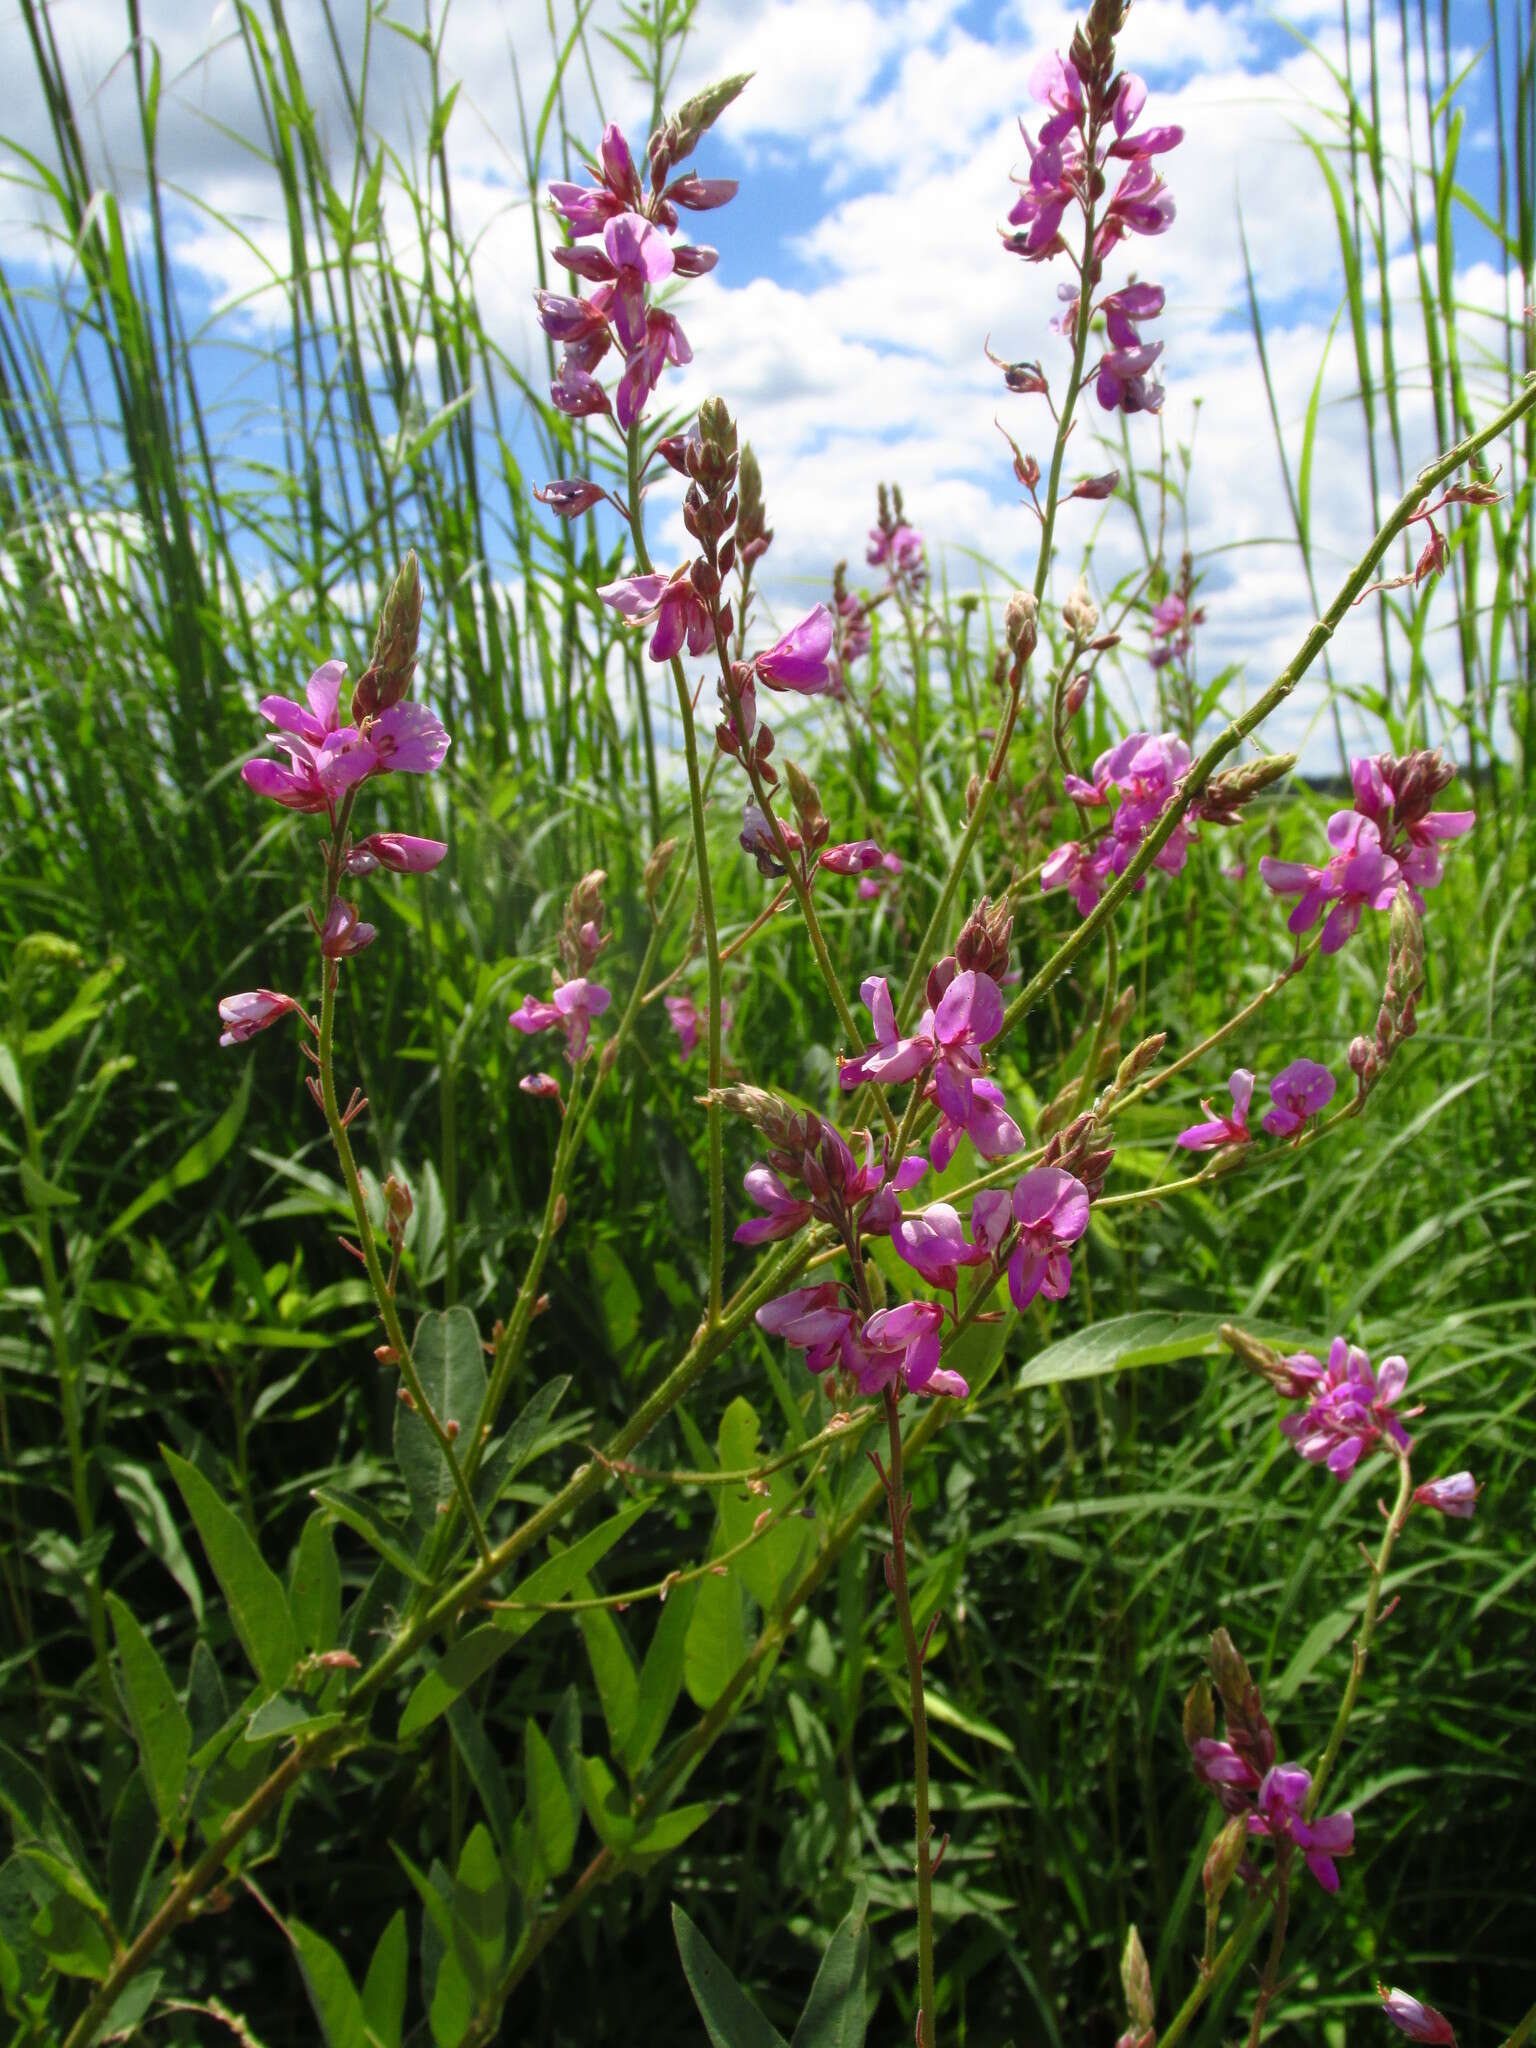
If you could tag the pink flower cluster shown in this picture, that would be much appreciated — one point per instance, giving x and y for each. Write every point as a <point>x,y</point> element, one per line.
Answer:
<point>688,1019</point>
<point>945,1050</point>
<point>1144,770</point>
<point>1390,838</point>
<point>1298,1093</point>
<point>1349,1407</point>
<point>570,1010</point>
<point>327,758</point>
<point>1086,129</point>
<point>621,246</point>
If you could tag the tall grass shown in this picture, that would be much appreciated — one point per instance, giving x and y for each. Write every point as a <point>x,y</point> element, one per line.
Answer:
<point>171,1274</point>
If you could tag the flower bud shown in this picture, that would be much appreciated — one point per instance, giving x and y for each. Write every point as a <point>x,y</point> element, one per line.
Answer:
<point>1075,696</point>
<point>1138,1059</point>
<point>972,795</point>
<point>1199,1713</point>
<point>1362,1055</point>
<point>1079,613</point>
<point>1020,628</point>
<point>561,1211</point>
<point>982,947</point>
<point>806,799</point>
<point>387,678</point>
<point>1222,1860</point>
<point>656,867</point>
<point>1136,1978</point>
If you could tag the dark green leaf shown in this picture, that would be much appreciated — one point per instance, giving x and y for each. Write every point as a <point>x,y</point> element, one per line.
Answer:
<point>258,1606</point>
<point>730,2018</point>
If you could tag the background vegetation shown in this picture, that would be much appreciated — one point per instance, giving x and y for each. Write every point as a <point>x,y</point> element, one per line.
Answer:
<point>169,1218</point>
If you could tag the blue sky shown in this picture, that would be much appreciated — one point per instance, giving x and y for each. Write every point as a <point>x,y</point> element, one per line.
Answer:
<point>860,271</point>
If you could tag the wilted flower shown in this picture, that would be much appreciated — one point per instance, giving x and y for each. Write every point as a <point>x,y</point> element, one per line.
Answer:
<point>1223,1130</point>
<point>1300,1091</point>
<point>1282,1798</point>
<point>851,859</point>
<point>343,933</point>
<point>400,852</point>
<point>257,1009</point>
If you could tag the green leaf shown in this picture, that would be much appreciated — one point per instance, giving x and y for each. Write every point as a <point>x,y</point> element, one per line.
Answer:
<point>384,1986</point>
<point>285,1714</point>
<point>671,1829</point>
<point>552,1813</point>
<point>160,1724</point>
<point>480,1910</point>
<point>613,1670</point>
<point>661,1677</point>
<point>1151,1337</point>
<point>767,1566</point>
<point>331,1991</point>
<point>453,2003</point>
<point>716,1641</point>
<point>480,1649</point>
<point>361,1520</point>
<point>607,1804</point>
<point>486,1770</point>
<point>314,1586</point>
<point>730,2018</point>
<point>509,1456</point>
<point>451,1367</point>
<point>195,1164</point>
<point>258,1606</point>
<point>835,2014</point>
<point>138,1489</point>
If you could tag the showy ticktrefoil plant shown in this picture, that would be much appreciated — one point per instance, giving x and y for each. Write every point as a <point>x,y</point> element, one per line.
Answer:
<point>943,1191</point>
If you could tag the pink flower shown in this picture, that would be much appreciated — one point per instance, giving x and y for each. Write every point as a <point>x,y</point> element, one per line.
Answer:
<point>987,1124</point>
<point>1129,100</point>
<point>1081,870</point>
<point>872,887</point>
<point>900,548</point>
<point>676,608</point>
<point>933,1245</point>
<point>1349,1407</point>
<point>687,1021</point>
<point>342,934</point>
<point>569,496</point>
<point>851,859</point>
<point>400,852</point>
<point>1142,205</point>
<point>800,661</point>
<point>540,1084</point>
<point>812,1320</point>
<point>574,1005</point>
<point>1050,1207</point>
<point>257,1009</point>
<point>586,209</point>
<point>641,256</point>
<point>1395,794</point>
<point>968,1016</point>
<point>1282,1798</point>
<point>1123,385</point>
<point>1455,1495</point>
<point>407,739</point>
<point>901,1347</point>
<point>785,1213</point>
<point>1358,876</point>
<point>325,757</point>
<point>663,342</point>
<point>1223,1130</point>
<point>1300,1091</point>
<point>890,1059</point>
<point>1418,2021</point>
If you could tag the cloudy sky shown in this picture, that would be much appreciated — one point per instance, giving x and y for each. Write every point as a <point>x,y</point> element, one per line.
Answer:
<point>860,270</point>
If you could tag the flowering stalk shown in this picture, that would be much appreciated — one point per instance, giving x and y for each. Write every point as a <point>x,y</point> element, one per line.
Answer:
<point>1233,735</point>
<point>706,904</point>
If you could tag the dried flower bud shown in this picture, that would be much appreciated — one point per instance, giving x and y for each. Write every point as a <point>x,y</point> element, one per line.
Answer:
<point>656,867</point>
<point>1258,1357</point>
<point>1075,696</point>
<point>1362,1055</point>
<point>561,1211</point>
<point>1079,613</point>
<point>972,795</point>
<point>806,800</point>
<point>1226,793</point>
<point>1199,1713</point>
<point>678,137</point>
<point>387,678</point>
<point>752,529</point>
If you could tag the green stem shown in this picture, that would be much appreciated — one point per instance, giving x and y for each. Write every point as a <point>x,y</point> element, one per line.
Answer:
<point>1524,2032</point>
<point>900,1507</point>
<point>714,1113</point>
<point>1271,1977</point>
<point>1401,1509</point>
<point>1233,735</point>
<point>389,1314</point>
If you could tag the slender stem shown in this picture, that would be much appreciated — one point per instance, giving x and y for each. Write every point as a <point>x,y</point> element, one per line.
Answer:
<point>1233,735</point>
<point>1226,1959</point>
<point>900,1508</point>
<point>389,1314</point>
<point>714,1111</point>
<point>1524,2032</point>
<point>1400,1511</point>
<point>1106,1011</point>
<point>1234,1023</point>
<point>1271,1977</point>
